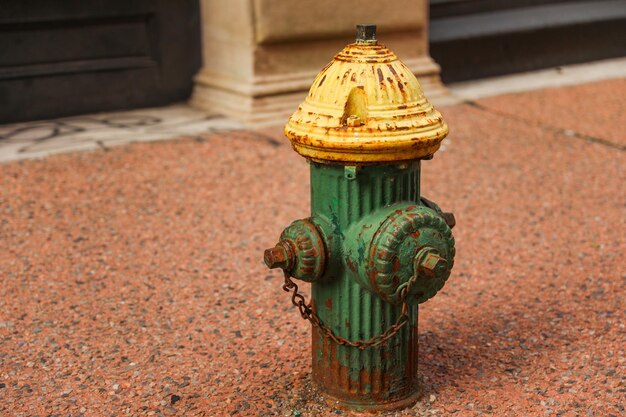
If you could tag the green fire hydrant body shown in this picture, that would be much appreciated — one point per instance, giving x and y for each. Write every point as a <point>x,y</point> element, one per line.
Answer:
<point>373,248</point>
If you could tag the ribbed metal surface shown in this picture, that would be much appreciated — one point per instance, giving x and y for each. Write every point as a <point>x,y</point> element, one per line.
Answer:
<point>391,119</point>
<point>374,375</point>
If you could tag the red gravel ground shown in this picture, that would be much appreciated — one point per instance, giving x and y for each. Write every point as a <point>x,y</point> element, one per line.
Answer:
<point>593,111</point>
<point>132,282</point>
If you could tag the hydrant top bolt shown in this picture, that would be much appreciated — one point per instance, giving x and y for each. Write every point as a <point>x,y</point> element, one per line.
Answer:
<point>277,257</point>
<point>366,33</point>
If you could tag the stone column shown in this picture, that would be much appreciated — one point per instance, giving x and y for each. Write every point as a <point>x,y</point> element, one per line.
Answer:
<point>261,56</point>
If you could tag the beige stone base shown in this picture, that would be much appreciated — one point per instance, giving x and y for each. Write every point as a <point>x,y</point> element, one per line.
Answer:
<point>251,111</point>
<point>269,101</point>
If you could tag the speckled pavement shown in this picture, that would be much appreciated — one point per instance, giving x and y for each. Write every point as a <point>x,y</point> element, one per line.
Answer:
<point>132,282</point>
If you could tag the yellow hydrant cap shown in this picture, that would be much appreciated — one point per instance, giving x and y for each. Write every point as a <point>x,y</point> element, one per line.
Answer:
<point>365,107</point>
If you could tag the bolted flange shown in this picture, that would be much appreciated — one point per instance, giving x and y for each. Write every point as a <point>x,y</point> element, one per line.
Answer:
<point>447,216</point>
<point>412,247</point>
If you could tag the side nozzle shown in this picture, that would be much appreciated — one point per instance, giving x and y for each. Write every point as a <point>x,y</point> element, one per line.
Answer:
<point>301,251</point>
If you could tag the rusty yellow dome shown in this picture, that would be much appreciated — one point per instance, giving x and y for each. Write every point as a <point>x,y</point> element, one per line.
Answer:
<point>365,107</point>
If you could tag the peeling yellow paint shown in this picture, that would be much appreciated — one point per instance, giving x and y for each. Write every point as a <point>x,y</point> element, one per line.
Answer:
<point>365,107</point>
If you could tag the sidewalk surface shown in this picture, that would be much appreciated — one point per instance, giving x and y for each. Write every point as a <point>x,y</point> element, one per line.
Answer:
<point>132,282</point>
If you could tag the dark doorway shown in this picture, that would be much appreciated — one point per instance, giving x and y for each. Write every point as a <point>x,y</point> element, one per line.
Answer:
<point>481,38</point>
<point>69,57</point>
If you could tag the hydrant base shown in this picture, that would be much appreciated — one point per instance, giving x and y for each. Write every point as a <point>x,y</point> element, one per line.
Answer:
<point>372,407</point>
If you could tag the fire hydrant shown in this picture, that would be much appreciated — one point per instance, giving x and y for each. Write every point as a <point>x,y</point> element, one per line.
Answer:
<point>373,248</point>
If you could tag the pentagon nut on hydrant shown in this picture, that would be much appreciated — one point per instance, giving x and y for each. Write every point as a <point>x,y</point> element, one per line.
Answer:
<point>373,248</point>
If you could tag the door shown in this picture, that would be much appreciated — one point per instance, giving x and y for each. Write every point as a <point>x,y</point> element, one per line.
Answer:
<point>60,58</point>
<point>482,38</point>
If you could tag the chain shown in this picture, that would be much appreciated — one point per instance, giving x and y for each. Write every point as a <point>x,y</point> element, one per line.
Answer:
<point>307,313</point>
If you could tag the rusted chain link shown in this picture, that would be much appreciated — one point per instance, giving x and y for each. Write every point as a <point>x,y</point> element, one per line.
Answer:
<point>307,313</point>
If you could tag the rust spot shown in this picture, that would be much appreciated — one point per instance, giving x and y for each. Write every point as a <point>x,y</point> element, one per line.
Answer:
<point>372,385</point>
<point>393,71</point>
<point>345,77</point>
<point>380,75</point>
<point>396,281</point>
<point>372,274</point>
<point>329,303</point>
<point>395,264</point>
<point>353,77</point>
<point>401,86</point>
<point>350,264</point>
<point>322,81</point>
